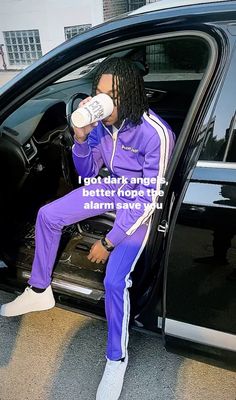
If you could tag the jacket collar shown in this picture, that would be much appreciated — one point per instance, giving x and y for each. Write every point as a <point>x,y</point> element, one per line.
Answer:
<point>124,126</point>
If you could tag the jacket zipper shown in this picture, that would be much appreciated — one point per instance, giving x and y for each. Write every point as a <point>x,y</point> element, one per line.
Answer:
<point>114,140</point>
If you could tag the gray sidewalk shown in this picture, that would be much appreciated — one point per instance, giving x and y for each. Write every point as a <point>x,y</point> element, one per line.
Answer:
<point>59,355</point>
<point>5,76</point>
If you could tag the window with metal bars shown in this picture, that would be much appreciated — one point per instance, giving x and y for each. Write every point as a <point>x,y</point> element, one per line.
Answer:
<point>23,47</point>
<point>135,4</point>
<point>71,31</point>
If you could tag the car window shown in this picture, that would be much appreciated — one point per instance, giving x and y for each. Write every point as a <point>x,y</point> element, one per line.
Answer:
<point>178,58</point>
<point>219,144</point>
<point>85,70</point>
<point>172,69</point>
<point>176,68</point>
<point>81,71</point>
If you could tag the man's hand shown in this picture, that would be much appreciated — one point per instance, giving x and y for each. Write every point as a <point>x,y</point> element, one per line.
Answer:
<point>98,253</point>
<point>82,133</point>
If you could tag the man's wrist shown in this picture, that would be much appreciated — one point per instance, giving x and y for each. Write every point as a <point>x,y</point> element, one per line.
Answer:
<point>107,244</point>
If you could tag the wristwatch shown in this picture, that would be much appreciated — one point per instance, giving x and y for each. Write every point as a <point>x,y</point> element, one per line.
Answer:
<point>106,245</point>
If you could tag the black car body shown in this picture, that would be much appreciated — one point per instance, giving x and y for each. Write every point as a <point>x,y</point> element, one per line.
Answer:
<point>184,282</point>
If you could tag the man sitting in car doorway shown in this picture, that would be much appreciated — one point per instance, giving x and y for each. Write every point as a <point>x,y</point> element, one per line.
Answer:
<point>132,125</point>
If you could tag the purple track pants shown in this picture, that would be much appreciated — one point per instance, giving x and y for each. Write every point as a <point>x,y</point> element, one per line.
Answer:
<point>67,210</point>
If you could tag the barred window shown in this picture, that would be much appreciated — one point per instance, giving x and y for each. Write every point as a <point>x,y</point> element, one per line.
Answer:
<point>71,31</point>
<point>23,47</point>
<point>134,4</point>
<point>177,56</point>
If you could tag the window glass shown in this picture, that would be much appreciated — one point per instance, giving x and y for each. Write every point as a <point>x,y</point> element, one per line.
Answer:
<point>178,58</point>
<point>80,72</point>
<point>71,31</point>
<point>219,144</point>
<point>171,70</point>
<point>134,4</point>
<point>23,47</point>
<point>176,67</point>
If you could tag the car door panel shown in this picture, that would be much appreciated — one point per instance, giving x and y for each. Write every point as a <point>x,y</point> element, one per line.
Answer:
<point>205,227</point>
<point>201,270</point>
<point>201,324</point>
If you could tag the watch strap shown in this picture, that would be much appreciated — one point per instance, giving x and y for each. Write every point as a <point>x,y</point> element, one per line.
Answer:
<point>106,245</point>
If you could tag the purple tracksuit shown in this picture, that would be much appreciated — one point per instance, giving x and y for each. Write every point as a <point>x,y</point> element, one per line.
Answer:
<point>131,152</point>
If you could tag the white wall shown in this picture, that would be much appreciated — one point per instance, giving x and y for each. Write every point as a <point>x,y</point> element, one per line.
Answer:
<point>49,17</point>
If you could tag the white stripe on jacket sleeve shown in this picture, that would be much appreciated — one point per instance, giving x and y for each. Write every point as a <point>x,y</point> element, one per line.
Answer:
<point>163,134</point>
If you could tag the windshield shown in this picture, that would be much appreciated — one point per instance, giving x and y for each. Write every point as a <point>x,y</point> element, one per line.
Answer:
<point>80,72</point>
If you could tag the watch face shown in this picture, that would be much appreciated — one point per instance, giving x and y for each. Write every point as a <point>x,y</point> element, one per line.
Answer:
<point>106,245</point>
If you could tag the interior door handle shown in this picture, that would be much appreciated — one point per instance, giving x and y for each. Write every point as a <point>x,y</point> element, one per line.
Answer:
<point>82,247</point>
<point>155,92</point>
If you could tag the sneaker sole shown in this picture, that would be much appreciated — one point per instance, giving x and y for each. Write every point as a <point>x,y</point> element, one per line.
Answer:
<point>3,313</point>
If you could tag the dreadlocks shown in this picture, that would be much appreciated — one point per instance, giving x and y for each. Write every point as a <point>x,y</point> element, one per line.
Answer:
<point>131,99</point>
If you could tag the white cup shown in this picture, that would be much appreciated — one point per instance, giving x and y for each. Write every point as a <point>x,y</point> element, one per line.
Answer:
<point>98,108</point>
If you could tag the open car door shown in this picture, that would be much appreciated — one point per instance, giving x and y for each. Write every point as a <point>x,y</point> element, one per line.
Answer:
<point>199,303</point>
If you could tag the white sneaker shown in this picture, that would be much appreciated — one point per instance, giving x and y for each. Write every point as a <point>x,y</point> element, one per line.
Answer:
<point>111,384</point>
<point>29,301</point>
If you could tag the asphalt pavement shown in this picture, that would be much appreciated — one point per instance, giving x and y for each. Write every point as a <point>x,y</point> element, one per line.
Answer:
<point>60,355</point>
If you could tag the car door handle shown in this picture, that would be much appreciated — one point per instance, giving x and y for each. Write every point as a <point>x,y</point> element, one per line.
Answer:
<point>163,227</point>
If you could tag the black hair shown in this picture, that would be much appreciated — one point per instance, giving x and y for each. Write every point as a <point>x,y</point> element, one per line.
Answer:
<point>131,98</point>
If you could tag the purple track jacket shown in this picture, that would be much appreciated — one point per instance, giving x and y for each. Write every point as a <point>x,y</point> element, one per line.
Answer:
<point>131,152</point>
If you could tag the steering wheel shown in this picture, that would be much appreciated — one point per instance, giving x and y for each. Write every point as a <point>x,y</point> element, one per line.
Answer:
<point>66,141</point>
<point>70,108</point>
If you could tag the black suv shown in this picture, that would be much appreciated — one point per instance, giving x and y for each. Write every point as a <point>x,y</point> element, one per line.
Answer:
<point>185,280</point>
